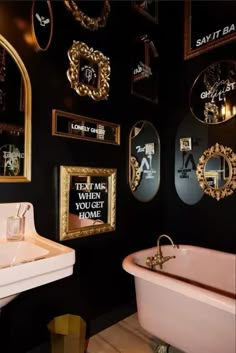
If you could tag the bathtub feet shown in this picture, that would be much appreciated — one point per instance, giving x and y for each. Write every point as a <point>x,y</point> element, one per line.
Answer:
<point>159,347</point>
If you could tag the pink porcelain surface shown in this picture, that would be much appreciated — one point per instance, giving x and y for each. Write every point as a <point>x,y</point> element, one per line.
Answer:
<point>190,303</point>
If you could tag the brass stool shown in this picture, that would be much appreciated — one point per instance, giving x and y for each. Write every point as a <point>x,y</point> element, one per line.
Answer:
<point>68,334</point>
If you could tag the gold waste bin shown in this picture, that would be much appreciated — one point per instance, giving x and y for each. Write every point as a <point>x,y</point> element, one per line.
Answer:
<point>68,334</point>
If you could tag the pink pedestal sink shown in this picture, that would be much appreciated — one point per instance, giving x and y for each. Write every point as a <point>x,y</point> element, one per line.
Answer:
<point>31,262</point>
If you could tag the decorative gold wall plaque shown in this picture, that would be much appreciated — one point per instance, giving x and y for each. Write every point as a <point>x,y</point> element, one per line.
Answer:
<point>216,171</point>
<point>89,71</point>
<point>92,23</point>
<point>87,201</point>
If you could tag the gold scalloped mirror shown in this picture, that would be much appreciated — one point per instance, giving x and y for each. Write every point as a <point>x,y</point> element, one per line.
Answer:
<point>216,171</point>
<point>15,116</point>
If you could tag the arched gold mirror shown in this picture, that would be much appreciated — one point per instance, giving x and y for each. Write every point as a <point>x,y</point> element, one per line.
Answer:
<point>15,116</point>
<point>144,161</point>
<point>216,171</point>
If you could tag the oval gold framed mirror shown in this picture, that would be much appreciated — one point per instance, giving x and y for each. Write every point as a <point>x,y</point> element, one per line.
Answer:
<point>144,161</point>
<point>216,171</point>
<point>15,116</point>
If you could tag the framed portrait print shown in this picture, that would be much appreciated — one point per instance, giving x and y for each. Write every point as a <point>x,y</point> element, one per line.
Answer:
<point>87,201</point>
<point>202,35</point>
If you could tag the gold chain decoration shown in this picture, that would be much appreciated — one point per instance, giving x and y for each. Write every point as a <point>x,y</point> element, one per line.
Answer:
<point>92,23</point>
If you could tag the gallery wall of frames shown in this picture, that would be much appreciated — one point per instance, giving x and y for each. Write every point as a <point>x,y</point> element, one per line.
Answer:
<point>72,96</point>
<point>117,133</point>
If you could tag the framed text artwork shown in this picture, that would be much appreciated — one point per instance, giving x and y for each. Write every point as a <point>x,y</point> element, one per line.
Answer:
<point>144,77</point>
<point>75,126</point>
<point>202,35</point>
<point>87,201</point>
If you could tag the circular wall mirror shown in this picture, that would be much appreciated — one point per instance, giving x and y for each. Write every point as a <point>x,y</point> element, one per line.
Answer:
<point>144,160</point>
<point>216,171</point>
<point>213,94</point>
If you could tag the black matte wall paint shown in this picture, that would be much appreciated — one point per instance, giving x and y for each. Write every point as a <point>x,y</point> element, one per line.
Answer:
<point>208,223</point>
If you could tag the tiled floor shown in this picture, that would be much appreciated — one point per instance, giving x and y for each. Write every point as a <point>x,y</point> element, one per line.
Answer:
<point>127,336</point>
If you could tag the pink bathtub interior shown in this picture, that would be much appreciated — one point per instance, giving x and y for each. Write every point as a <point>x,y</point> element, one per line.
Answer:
<point>191,302</point>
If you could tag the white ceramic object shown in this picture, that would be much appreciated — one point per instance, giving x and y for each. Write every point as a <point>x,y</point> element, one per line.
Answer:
<point>32,262</point>
<point>190,303</point>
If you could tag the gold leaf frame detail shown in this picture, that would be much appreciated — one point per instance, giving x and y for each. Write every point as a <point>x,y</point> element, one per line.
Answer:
<point>78,51</point>
<point>95,227</point>
<point>92,23</point>
<point>230,185</point>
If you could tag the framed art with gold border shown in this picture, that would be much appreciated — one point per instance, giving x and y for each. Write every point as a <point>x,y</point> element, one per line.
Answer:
<point>87,201</point>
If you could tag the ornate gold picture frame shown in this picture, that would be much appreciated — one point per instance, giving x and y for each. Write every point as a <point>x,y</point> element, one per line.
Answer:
<point>88,22</point>
<point>87,201</point>
<point>216,171</point>
<point>89,71</point>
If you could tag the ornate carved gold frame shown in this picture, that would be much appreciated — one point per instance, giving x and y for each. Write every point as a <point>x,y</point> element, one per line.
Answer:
<point>86,226</point>
<point>230,184</point>
<point>92,23</point>
<point>76,53</point>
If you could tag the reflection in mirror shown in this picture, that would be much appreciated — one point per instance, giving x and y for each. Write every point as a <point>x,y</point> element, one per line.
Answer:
<point>87,201</point>
<point>216,171</point>
<point>144,161</point>
<point>15,116</point>
<point>213,95</point>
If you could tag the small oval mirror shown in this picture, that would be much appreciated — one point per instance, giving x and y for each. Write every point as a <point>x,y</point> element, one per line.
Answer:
<point>216,171</point>
<point>144,161</point>
<point>15,116</point>
<point>213,95</point>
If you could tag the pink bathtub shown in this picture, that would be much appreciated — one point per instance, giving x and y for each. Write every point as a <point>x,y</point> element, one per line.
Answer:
<point>190,303</point>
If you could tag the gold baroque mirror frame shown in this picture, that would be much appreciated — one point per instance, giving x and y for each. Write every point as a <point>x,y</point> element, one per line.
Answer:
<point>216,171</point>
<point>89,71</point>
<point>15,117</point>
<point>91,23</point>
<point>87,201</point>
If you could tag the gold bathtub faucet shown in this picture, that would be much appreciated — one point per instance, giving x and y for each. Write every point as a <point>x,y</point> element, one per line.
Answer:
<point>158,258</point>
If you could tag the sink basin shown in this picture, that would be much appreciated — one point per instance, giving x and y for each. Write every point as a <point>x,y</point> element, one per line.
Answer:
<point>31,262</point>
<point>17,252</point>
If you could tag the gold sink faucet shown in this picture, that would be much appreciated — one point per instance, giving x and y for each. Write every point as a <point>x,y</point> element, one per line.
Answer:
<point>158,258</point>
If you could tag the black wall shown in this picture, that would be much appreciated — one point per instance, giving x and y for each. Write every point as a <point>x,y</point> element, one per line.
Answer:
<point>209,223</point>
